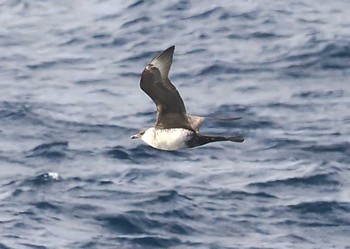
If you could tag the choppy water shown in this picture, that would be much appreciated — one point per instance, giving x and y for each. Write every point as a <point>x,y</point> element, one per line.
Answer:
<point>70,177</point>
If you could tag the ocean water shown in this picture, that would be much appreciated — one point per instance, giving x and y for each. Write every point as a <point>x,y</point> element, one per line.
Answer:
<point>70,177</point>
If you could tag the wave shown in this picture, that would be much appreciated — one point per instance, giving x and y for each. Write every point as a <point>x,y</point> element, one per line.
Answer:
<point>328,55</point>
<point>343,147</point>
<point>232,195</point>
<point>138,223</point>
<point>318,94</point>
<point>313,180</point>
<point>142,153</point>
<point>3,246</point>
<point>152,241</point>
<point>53,150</point>
<point>322,207</point>
<point>61,62</point>
<point>42,180</point>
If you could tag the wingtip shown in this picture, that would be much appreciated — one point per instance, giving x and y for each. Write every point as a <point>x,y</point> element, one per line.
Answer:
<point>169,50</point>
<point>164,60</point>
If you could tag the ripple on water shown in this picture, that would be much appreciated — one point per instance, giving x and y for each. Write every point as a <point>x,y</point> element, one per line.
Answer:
<point>54,150</point>
<point>312,180</point>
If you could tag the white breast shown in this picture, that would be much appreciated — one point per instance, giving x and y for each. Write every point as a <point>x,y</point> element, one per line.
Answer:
<point>167,139</point>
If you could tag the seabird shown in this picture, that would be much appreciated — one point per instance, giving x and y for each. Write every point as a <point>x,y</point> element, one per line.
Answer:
<point>174,129</point>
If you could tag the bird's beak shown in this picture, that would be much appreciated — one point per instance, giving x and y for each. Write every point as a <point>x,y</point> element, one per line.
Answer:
<point>135,136</point>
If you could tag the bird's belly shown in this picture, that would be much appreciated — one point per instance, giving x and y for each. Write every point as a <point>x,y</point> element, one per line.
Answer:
<point>171,139</point>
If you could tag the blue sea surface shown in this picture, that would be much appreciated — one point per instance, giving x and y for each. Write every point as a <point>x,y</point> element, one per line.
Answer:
<point>70,177</point>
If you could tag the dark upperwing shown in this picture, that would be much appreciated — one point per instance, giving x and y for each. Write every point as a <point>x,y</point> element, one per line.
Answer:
<point>171,111</point>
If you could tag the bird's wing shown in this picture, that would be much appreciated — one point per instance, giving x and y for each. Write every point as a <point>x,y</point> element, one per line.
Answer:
<point>171,111</point>
<point>195,122</point>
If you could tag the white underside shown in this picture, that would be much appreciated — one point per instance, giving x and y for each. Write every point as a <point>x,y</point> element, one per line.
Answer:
<point>167,139</point>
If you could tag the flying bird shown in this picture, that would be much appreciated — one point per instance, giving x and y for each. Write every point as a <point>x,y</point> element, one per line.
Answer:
<point>174,129</point>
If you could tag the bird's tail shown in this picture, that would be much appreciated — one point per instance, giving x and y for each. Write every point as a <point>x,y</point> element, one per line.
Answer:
<point>200,139</point>
<point>210,139</point>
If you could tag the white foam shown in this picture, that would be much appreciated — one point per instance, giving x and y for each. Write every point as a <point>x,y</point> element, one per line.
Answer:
<point>53,175</point>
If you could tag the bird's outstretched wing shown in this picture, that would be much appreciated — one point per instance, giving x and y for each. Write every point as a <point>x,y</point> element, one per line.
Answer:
<point>171,111</point>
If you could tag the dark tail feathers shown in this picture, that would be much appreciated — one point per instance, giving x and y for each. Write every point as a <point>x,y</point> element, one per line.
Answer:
<point>237,139</point>
<point>200,139</point>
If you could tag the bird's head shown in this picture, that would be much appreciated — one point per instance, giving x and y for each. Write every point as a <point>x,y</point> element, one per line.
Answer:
<point>138,135</point>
